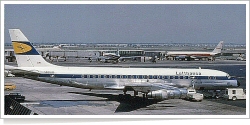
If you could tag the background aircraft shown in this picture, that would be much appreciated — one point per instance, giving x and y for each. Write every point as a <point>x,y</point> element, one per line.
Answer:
<point>109,57</point>
<point>191,55</point>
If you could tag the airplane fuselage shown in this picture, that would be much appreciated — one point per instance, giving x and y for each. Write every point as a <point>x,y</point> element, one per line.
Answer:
<point>182,53</point>
<point>118,78</point>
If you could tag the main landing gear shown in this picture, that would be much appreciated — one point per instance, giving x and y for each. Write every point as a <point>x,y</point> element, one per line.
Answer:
<point>126,97</point>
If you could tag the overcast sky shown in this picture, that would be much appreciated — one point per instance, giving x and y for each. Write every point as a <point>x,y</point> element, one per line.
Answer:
<point>128,23</point>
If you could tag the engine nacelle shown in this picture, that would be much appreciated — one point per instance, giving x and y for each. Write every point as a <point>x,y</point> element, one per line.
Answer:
<point>164,94</point>
<point>159,94</point>
<point>184,92</point>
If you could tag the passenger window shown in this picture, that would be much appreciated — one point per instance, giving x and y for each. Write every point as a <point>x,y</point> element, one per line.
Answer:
<point>159,77</point>
<point>118,76</point>
<point>85,76</point>
<point>150,77</point>
<point>155,77</point>
<point>113,76</point>
<point>143,77</point>
<point>166,77</point>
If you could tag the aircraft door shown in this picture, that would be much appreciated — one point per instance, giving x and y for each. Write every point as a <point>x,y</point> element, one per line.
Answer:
<point>195,82</point>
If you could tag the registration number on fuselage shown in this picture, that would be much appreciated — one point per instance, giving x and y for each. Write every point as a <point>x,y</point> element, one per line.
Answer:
<point>49,72</point>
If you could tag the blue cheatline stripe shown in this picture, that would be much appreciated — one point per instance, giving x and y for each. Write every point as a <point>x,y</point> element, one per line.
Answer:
<point>133,76</point>
<point>61,75</point>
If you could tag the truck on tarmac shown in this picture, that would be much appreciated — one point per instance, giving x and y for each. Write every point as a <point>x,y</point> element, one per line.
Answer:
<point>235,93</point>
<point>213,93</point>
<point>9,86</point>
<point>16,96</point>
<point>193,95</point>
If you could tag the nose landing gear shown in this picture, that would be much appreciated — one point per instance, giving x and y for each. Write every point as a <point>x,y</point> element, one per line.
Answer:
<point>238,83</point>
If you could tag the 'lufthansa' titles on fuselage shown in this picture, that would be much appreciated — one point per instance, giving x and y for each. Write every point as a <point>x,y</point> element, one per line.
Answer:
<point>188,73</point>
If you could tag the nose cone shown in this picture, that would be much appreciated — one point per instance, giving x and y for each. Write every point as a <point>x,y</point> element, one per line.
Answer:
<point>238,83</point>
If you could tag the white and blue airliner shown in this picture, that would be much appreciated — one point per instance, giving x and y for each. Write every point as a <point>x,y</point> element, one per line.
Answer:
<point>159,83</point>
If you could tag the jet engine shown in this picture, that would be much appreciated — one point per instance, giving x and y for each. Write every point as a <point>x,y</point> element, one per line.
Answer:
<point>164,94</point>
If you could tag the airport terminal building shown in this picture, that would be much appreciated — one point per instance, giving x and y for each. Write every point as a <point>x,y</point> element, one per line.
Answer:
<point>228,53</point>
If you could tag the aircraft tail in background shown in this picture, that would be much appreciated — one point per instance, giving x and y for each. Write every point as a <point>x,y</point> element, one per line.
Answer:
<point>218,48</point>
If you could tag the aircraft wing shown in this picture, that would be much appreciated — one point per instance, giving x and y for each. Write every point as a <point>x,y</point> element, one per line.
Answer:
<point>149,87</point>
<point>144,87</point>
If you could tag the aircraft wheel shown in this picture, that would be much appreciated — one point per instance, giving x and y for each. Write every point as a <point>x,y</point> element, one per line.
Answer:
<point>120,97</point>
<point>127,97</point>
<point>217,97</point>
<point>234,98</point>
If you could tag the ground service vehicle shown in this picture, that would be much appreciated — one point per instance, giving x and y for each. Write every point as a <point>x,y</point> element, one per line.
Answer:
<point>235,93</point>
<point>193,95</point>
<point>16,96</point>
<point>9,86</point>
<point>213,93</point>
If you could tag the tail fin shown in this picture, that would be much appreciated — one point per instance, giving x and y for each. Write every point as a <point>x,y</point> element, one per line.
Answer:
<point>26,54</point>
<point>218,48</point>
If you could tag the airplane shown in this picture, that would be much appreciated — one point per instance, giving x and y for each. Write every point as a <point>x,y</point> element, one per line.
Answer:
<point>110,57</point>
<point>155,83</point>
<point>195,54</point>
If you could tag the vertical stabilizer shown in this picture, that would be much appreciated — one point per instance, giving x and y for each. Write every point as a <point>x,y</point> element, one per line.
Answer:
<point>26,54</point>
<point>218,48</point>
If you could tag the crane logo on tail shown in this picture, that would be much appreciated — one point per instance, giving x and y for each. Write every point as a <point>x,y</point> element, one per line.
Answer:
<point>24,48</point>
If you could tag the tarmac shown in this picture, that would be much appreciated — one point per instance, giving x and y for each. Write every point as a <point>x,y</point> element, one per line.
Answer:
<point>49,99</point>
